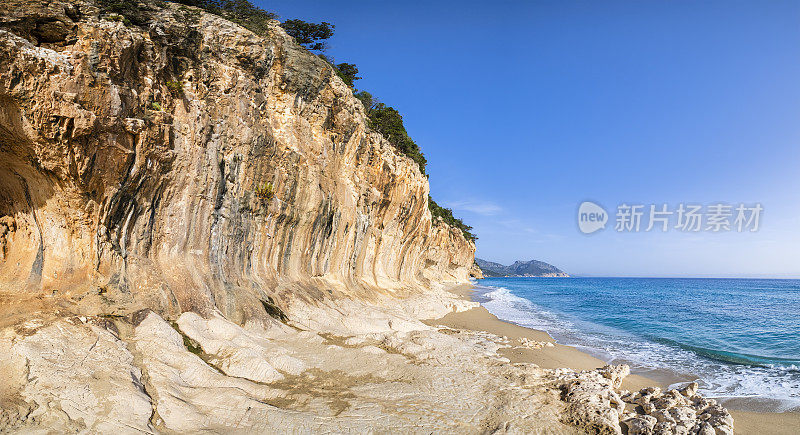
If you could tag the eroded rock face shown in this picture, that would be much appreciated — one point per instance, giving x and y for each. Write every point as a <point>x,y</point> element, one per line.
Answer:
<point>130,158</point>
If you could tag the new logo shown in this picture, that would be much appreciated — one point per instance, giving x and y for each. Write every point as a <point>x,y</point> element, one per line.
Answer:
<point>591,217</point>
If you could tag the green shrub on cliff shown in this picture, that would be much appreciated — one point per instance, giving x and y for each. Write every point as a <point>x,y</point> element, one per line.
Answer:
<point>241,12</point>
<point>130,12</point>
<point>348,72</point>
<point>446,215</point>
<point>309,35</point>
<point>387,121</point>
<point>367,100</point>
<point>265,192</point>
<point>175,87</point>
<point>255,19</point>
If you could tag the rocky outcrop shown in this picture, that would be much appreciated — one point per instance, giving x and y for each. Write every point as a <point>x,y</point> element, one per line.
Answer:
<point>596,404</point>
<point>187,164</point>
<point>676,411</point>
<point>476,272</point>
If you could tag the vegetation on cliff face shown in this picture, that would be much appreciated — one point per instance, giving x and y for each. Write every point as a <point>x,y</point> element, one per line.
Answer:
<point>241,12</point>
<point>446,215</point>
<point>264,193</point>
<point>132,12</point>
<point>387,121</point>
<point>310,35</point>
<point>348,72</point>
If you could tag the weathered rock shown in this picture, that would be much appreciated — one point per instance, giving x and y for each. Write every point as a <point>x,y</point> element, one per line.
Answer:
<point>119,180</point>
<point>593,402</point>
<point>73,376</point>
<point>720,419</point>
<point>615,373</point>
<point>690,390</point>
<point>680,411</point>
<point>705,428</point>
<point>700,403</point>
<point>670,399</point>
<point>362,388</point>
<point>596,404</point>
<point>640,425</point>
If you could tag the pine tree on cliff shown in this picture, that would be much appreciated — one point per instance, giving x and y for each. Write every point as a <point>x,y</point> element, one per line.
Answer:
<point>309,35</point>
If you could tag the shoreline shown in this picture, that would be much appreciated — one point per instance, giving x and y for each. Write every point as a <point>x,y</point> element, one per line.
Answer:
<point>559,355</point>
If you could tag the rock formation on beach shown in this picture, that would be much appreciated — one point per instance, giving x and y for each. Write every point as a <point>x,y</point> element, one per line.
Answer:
<point>597,404</point>
<point>476,272</point>
<point>199,232</point>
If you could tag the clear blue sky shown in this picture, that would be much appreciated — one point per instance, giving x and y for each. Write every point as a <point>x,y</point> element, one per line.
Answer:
<point>525,109</point>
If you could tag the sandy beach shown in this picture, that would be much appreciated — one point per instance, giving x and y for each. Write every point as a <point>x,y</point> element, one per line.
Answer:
<point>480,319</point>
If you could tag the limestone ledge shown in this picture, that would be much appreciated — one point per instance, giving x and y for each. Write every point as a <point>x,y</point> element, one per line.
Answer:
<point>365,368</point>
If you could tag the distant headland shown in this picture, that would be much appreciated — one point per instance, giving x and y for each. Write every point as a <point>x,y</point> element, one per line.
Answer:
<point>532,268</point>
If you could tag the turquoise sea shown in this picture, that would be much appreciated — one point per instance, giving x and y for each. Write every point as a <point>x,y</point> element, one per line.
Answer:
<point>739,338</point>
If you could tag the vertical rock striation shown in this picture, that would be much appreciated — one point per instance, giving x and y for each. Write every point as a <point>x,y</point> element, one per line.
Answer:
<point>131,157</point>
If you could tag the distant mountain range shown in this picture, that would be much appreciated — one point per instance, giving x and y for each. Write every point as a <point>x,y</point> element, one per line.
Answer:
<point>520,268</point>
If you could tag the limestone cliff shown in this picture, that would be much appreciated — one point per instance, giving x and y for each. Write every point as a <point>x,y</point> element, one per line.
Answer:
<point>130,157</point>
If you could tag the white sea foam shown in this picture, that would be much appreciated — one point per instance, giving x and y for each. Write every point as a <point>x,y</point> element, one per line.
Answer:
<point>762,388</point>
